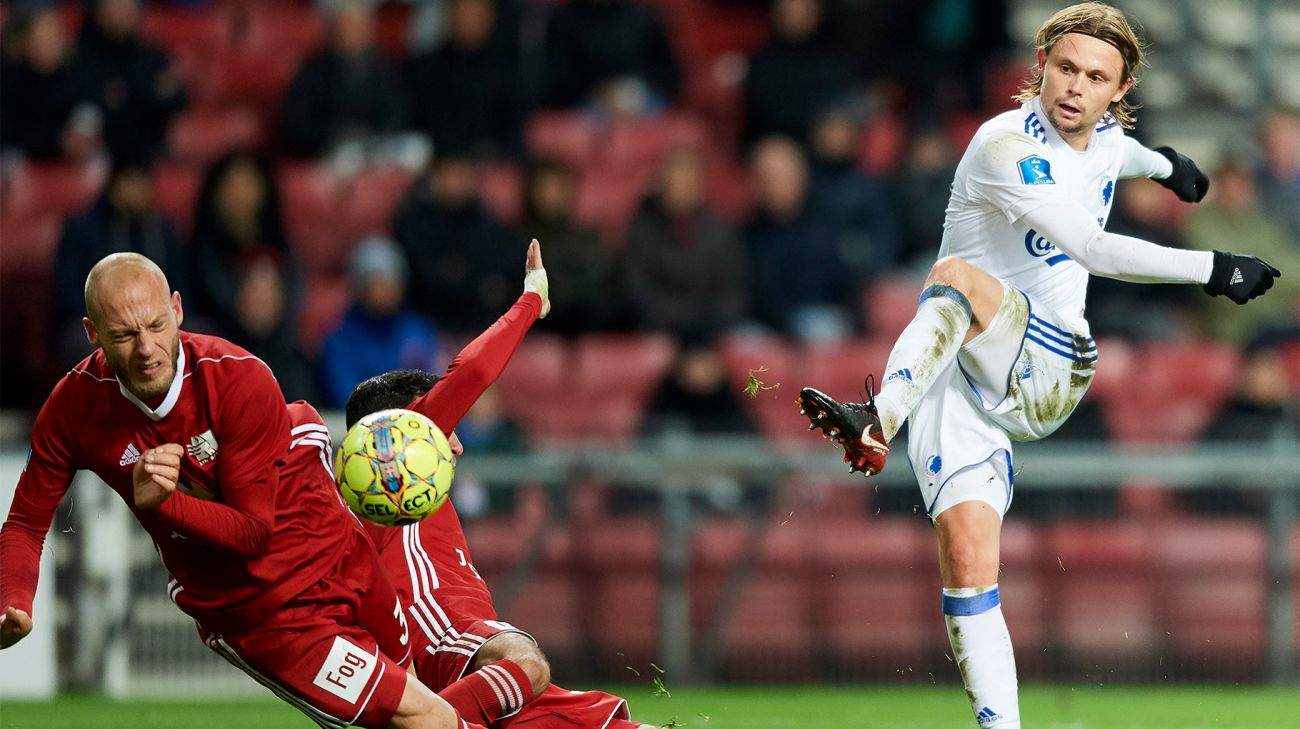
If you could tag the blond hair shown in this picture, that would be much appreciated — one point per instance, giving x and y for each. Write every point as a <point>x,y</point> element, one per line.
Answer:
<point>1104,23</point>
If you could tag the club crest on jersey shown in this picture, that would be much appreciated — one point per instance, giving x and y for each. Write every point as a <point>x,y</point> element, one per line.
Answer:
<point>1035,170</point>
<point>1107,192</point>
<point>203,448</point>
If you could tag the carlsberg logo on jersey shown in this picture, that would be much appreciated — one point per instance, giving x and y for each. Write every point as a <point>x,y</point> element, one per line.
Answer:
<point>203,448</point>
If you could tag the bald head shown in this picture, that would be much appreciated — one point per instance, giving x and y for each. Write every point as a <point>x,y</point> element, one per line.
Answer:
<point>117,273</point>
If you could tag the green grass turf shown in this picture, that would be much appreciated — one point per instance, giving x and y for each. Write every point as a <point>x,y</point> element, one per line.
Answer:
<point>760,707</point>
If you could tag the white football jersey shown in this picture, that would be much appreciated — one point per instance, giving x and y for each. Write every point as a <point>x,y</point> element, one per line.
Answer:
<point>1015,163</point>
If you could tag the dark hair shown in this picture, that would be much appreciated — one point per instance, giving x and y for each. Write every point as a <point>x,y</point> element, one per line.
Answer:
<point>393,389</point>
<point>207,220</point>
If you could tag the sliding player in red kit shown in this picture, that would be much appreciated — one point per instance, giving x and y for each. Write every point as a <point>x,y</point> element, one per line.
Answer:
<point>490,671</point>
<point>193,434</point>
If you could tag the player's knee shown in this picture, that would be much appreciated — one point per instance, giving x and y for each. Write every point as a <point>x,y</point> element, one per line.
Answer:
<point>520,649</point>
<point>970,562</point>
<point>950,270</point>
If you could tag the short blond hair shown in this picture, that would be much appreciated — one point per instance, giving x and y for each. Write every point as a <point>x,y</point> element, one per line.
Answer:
<point>1104,23</point>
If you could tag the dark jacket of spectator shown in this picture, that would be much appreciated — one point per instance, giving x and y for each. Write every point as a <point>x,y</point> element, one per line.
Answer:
<point>796,264</point>
<point>261,325</point>
<point>861,206</point>
<point>237,223</point>
<point>593,42</point>
<point>46,93</point>
<point>468,94</point>
<point>686,273</point>
<point>796,74</point>
<point>332,100</point>
<point>133,83</point>
<point>464,267</point>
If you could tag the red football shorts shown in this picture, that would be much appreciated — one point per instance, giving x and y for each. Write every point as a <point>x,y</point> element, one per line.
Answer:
<point>337,652</point>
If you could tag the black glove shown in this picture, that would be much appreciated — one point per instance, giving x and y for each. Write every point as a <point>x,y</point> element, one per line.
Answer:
<point>1240,278</point>
<point>1187,181</point>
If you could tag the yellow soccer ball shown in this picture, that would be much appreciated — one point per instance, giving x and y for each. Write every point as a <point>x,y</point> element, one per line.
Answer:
<point>394,467</point>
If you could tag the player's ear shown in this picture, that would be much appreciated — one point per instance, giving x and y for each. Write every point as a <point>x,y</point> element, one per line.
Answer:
<point>1042,59</point>
<point>177,309</point>
<point>1123,89</point>
<point>92,334</point>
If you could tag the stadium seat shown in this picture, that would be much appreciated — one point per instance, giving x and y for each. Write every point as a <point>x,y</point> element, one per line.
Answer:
<point>1101,593</point>
<point>608,197</point>
<point>1214,573</point>
<point>552,608</point>
<point>839,368</point>
<point>621,557</point>
<point>639,143</point>
<point>255,78</point>
<point>371,198</point>
<point>176,191</point>
<point>199,136</point>
<point>39,189</point>
<point>312,200</point>
<point>501,187</point>
<point>1172,392</point>
<point>566,136</point>
<point>622,365</point>
<point>883,145</point>
<point>718,548</point>
<point>775,363</point>
<point>1291,362</point>
<point>295,31</point>
<point>727,189</point>
<point>888,305</point>
<point>768,635</point>
<point>191,37</point>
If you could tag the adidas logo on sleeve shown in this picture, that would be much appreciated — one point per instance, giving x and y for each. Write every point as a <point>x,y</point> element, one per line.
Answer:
<point>129,456</point>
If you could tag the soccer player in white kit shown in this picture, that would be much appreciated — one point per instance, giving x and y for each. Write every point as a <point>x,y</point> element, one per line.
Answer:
<point>999,349</point>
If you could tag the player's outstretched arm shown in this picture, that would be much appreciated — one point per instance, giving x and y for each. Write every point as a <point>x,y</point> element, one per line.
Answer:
<point>1164,165</point>
<point>15,624</point>
<point>535,277</point>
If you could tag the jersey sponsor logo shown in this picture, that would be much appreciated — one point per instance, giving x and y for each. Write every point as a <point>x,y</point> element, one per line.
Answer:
<point>1107,192</point>
<point>130,455</point>
<point>933,465</point>
<point>1040,247</point>
<point>346,670</point>
<point>203,448</point>
<point>1035,170</point>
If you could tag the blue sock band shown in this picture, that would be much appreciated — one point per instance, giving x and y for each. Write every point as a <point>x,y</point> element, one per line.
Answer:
<point>973,605</point>
<point>947,292</point>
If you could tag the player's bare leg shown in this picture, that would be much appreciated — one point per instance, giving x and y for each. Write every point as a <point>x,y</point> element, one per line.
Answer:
<point>969,541</point>
<point>421,708</point>
<point>520,649</point>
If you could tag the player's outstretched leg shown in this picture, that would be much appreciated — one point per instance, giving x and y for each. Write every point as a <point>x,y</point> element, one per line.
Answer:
<point>958,301</point>
<point>508,671</point>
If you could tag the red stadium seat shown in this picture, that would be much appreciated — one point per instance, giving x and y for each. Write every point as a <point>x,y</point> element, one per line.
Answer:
<point>641,142</point>
<point>839,368</point>
<point>1172,392</point>
<point>191,37</point>
<point>312,198</point>
<point>30,243</point>
<point>889,303</point>
<point>553,609</point>
<point>372,197</point>
<point>718,547</point>
<point>27,251</point>
<point>1291,362</point>
<point>567,136</point>
<point>769,633</point>
<point>727,189</point>
<point>623,365</point>
<point>883,145</point>
<point>176,190</point>
<point>608,197</point>
<point>295,31</point>
<point>200,136</point>
<point>61,189</point>
<point>501,187</point>
<point>257,78</point>
<point>622,557</point>
<point>774,362</point>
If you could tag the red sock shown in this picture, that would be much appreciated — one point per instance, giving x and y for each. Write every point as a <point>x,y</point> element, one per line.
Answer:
<point>495,690</point>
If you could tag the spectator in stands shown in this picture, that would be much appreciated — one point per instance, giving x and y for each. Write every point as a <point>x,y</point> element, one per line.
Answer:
<point>859,204</point>
<point>49,110</point>
<point>581,268</point>
<point>1264,412</point>
<point>237,221</point>
<point>261,326</point>
<point>685,267</point>
<point>1143,311</point>
<point>922,186</point>
<point>345,93</point>
<point>1232,213</point>
<point>378,333</point>
<point>1278,175</point>
<point>460,274</point>
<point>467,94</point>
<point>804,286</point>
<point>134,83</point>
<point>697,397</point>
<point>486,428</point>
<point>612,55</point>
<point>124,218</point>
<point>796,73</point>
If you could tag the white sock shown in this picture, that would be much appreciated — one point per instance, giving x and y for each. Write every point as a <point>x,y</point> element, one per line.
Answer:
<point>982,648</point>
<point>922,351</point>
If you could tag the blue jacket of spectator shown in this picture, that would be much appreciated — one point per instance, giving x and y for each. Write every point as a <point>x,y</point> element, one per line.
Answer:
<point>364,345</point>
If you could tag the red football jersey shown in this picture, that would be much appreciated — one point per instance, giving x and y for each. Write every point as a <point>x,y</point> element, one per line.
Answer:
<point>470,373</point>
<point>255,518</point>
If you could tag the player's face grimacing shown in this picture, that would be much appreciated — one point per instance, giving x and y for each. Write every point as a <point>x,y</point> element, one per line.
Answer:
<point>1081,79</point>
<point>138,326</point>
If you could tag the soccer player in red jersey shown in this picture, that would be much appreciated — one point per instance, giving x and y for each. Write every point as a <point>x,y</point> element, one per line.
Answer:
<point>487,669</point>
<point>193,434</point>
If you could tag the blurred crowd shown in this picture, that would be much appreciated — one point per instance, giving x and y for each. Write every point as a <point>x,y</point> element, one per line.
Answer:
<point>348,187</point>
